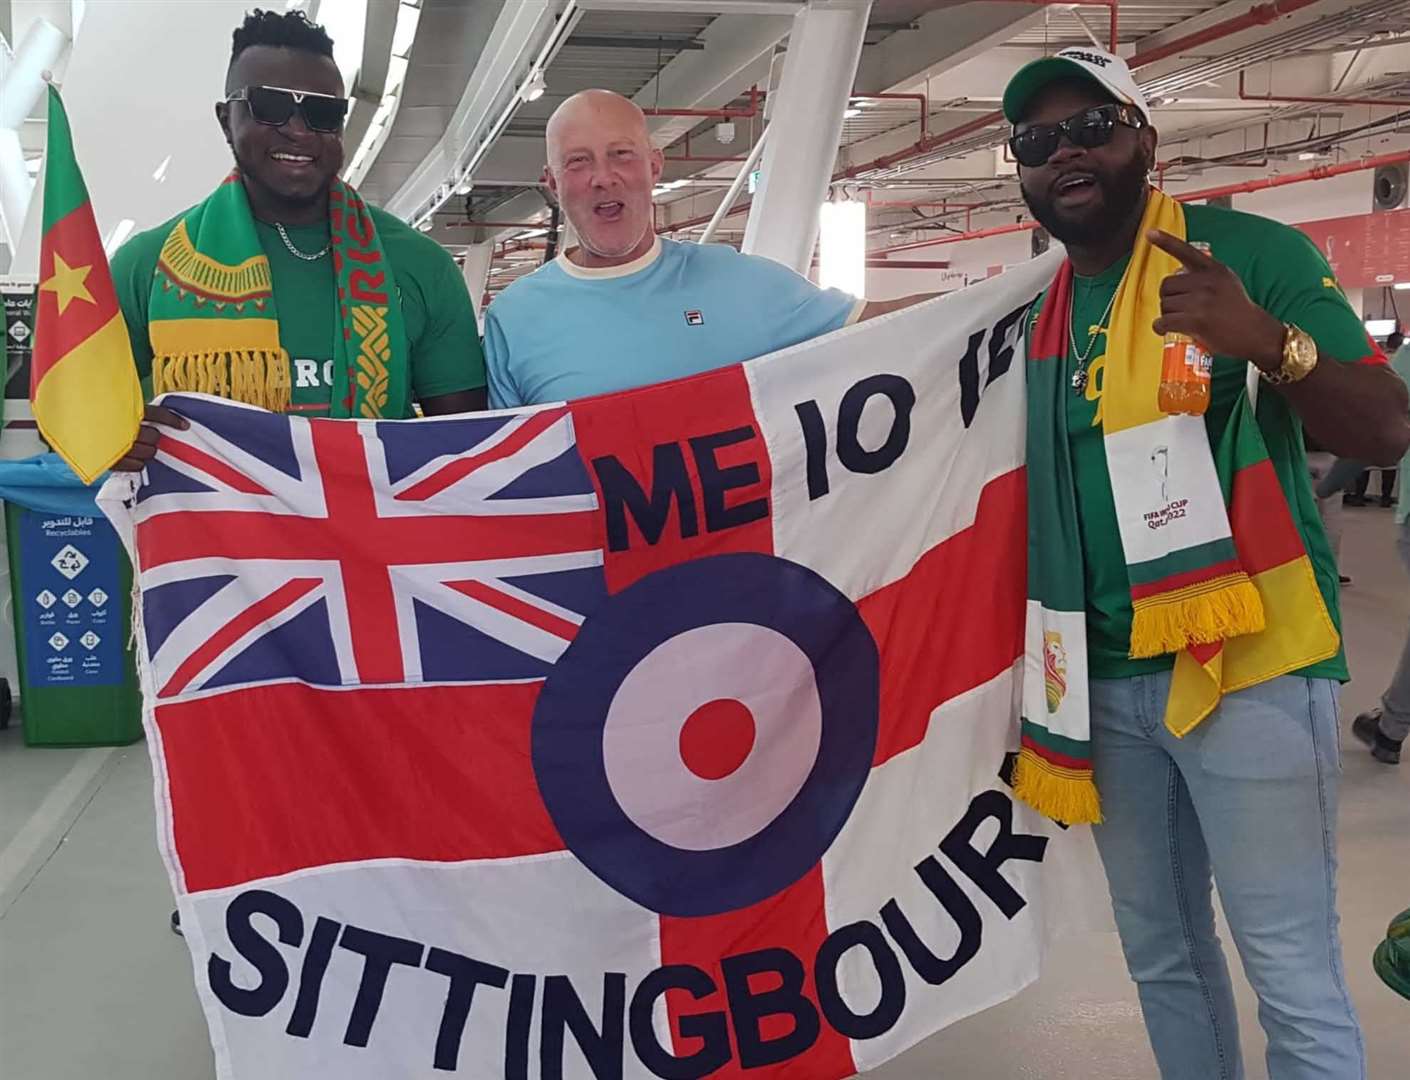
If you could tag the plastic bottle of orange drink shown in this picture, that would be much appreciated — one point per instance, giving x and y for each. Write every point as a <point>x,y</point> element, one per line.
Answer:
<point>1186,366</point>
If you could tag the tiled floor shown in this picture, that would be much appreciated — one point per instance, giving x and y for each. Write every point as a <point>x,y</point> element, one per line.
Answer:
<point>93,985</point>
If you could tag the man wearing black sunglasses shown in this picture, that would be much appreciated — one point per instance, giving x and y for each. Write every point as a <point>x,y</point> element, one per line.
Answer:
<point>1244,793</point>
<point>283,289</point>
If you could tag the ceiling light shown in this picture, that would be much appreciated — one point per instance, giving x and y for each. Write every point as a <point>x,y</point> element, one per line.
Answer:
<point>1402,286</point>
<point>849,113</point>
<point>1380,327</point>
<point>724,132</point>
<point>424,225</point>
<point>160,174</point>
<point>842,246</point>
<point>464,187</point>
<point>535,87</point>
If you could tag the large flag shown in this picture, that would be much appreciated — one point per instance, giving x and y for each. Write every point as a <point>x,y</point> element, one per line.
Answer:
<point>657,734</point>
<point>83,386</point>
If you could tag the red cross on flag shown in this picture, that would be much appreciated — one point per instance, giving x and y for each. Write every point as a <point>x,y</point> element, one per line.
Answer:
<point>652,735</point>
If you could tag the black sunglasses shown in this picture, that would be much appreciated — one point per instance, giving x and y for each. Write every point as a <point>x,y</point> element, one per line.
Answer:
<point>1090,128</point>
<point>276,105</point>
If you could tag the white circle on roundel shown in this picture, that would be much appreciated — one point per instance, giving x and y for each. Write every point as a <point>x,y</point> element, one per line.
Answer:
<point>758,667</point>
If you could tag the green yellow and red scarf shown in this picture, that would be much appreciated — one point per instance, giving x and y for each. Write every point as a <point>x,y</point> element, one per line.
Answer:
<point>214,329</point>
<point>1219,573</point>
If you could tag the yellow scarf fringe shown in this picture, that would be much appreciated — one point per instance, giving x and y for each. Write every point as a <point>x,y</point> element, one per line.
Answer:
<point>1214,611</point>
<point>1065,795</point>
<point>252,376</point>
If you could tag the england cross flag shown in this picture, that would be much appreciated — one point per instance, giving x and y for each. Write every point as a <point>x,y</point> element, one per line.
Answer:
<point>652,735</point>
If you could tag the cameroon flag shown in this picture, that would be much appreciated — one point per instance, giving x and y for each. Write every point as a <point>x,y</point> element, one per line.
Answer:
<point>1299,629</point>
<point>83,384</point>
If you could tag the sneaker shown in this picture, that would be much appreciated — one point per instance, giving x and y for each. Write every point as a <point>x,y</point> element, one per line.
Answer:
<point>1367,728</point>
<point>176,924</point>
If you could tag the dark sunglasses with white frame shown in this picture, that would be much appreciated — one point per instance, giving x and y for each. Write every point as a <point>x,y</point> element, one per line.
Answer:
<point>1034,144</point>
<point>275,106</point>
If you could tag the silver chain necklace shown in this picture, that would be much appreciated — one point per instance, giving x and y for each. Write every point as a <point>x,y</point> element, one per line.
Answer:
<point>1079,376</point>
<point>295,251</point>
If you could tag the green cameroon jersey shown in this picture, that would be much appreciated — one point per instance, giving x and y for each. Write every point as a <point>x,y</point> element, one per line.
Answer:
<point>1287,276</point>
<point>442,337</point>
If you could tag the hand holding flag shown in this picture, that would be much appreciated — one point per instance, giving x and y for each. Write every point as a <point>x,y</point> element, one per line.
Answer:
<point>83,387</point>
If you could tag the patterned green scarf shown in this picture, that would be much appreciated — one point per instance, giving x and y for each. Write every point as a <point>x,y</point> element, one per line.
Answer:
<point>214,329</point>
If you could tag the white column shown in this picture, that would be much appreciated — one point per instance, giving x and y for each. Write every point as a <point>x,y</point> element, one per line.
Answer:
<point>477,273</point>
<point>21,84</point>
<point>16,187</point>
<point>805,124</point>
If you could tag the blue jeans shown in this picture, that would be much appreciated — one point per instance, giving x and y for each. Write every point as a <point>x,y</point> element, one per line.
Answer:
<point>1395,702</point>
<point>1247,800</point>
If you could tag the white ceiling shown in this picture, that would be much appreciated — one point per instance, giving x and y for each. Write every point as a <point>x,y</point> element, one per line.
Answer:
<point>460,99</point>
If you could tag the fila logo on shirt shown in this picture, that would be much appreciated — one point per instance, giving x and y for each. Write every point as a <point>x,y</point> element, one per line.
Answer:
<point>695,318</point>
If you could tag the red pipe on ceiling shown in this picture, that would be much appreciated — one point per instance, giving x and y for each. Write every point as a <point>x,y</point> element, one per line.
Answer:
<point>1259,15</point>
<point>1110,5</point>
<point>1283,99</point>
<point>1320,172</point>
<point>920,99</point>
<point>929,204</point>
<point>955,238</point>
<point>495,224</point>
<point>723,114</point>
<point>688,156</point>
<point>910,264</point>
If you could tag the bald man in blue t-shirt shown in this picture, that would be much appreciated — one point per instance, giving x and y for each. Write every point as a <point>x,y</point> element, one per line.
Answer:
<point>626,308</point>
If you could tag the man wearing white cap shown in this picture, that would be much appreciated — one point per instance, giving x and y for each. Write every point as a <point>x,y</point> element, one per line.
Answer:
<point>1208,614</point>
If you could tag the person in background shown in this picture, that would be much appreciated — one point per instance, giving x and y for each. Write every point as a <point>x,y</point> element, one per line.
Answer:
<point>1384,728</point>
<point>1320,468</point>
<point>1339,482</point>
<point>625,308</point>
<point>1245,797</point>
<point>239,295</point>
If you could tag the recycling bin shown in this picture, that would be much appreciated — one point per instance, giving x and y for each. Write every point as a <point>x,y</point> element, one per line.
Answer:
<point>71,589</point>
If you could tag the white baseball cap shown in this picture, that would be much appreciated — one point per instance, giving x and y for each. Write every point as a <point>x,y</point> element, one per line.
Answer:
<point>1080,61</point>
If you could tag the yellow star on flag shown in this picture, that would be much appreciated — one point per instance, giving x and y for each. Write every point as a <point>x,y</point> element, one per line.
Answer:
<point>67,284</point>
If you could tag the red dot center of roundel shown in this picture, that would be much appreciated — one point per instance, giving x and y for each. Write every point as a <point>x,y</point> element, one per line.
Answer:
<point>717,738</point>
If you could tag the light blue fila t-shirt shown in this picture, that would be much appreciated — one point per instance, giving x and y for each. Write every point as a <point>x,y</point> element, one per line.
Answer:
<point>567,332</point>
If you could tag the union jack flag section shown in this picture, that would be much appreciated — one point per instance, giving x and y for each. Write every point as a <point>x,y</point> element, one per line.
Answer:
<point>652,735</point>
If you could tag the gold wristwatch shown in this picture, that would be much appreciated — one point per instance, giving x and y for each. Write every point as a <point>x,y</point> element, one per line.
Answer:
<point>1299,357</point>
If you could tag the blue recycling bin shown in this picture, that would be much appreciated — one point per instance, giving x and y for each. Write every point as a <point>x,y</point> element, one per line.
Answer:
<point>71,587</point>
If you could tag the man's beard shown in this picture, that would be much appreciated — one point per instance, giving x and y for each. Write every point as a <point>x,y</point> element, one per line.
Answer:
<point>1122,193</point>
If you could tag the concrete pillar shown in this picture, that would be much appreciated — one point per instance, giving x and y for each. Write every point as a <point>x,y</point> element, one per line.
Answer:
<point>21,84</point>
<point>477,273</point>
<point>805,124</point>
<point>16,188</point>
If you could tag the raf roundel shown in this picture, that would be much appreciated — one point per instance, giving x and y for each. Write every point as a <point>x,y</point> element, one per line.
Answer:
<point>703,740</point>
